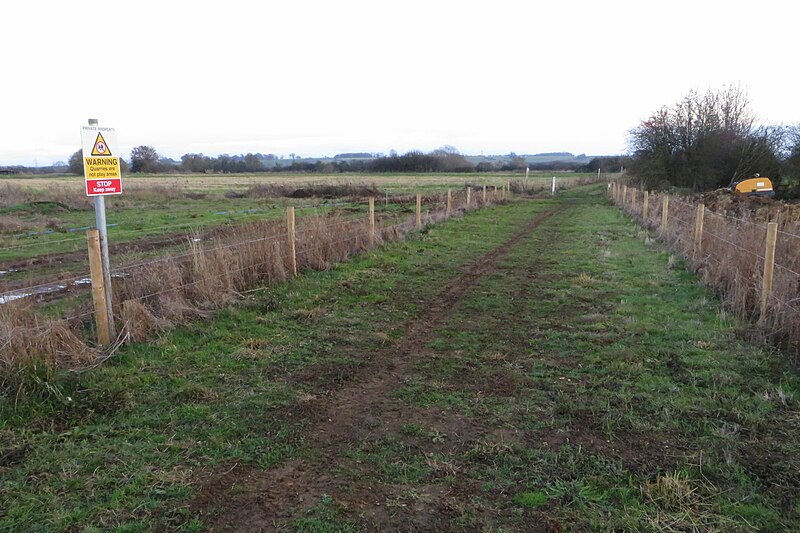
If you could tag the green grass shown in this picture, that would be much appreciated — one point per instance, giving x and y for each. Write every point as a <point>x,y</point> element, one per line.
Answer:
<point>583,384</point>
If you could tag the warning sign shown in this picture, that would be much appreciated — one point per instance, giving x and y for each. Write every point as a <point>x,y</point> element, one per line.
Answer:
<point>101,169</point>
<point>100,146</point>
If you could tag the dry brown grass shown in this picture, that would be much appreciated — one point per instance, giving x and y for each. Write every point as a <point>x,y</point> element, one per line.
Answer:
<point>68,195</point>
<point>731,258</point>
<point>33,347</point>
<point>312,190</point>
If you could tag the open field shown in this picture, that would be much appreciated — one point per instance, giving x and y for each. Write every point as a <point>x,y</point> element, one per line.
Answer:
<point>540,366</point>
<point>48,215</point>
<point>222,182</point>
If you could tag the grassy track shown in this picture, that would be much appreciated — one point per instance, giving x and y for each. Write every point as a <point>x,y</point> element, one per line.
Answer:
<point>536,367</point>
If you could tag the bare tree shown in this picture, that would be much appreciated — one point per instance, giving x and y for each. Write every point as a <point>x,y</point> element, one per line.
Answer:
<point>702,141</point>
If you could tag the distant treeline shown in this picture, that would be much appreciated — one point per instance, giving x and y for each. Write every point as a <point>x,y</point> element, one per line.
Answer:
<point>145,159</point>
<point>445,159</point>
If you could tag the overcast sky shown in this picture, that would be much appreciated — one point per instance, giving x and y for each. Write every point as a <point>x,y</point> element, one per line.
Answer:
<point>323,77</point>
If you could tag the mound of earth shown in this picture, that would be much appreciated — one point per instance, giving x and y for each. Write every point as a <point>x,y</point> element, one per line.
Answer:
<point>755,208</point>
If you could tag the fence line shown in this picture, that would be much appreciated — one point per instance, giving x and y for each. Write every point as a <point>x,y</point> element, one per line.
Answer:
<point>320,240</point>
<point>136,266</point>
<point>152,229</point>
<point>745,276</point>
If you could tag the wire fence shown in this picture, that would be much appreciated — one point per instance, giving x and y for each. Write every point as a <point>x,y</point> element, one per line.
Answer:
<point>757,276</point>
<point>26,281</point>
<point>233,217</point>
<point>53,318</point>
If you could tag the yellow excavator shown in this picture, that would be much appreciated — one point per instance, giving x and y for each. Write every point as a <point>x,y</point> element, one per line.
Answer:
<point>755,186</point>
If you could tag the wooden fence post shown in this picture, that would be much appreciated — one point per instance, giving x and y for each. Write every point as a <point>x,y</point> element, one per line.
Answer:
<point>769,266</point>
<point>372,221</point>
<point>469,195</point>
<point>419,211</point>
<point>698,231</point>
<point>484,195</point>
<point>290,226</point>
<point>98,289</point>
<point>624,195</point>
<point>664,214</point>
<point>634,198</point>
<point>508,189</point>
<point>449,202</point>
<point>645,207</point>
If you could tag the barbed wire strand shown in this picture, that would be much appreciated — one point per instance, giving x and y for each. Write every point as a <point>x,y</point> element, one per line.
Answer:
<point>117,230</point>
<point>21,291</point>
<point>787,269</point>
<point>223,274</point>
<point>706,232</point>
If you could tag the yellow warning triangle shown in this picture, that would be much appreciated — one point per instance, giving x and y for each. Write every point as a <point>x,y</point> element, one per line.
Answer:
<point>100,146</point>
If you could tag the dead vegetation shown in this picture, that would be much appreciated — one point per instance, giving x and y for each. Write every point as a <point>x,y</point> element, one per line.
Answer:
<point>731,255</point>
<point>311,190</point>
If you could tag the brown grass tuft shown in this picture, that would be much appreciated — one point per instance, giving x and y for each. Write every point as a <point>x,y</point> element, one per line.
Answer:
<point>139,323</point>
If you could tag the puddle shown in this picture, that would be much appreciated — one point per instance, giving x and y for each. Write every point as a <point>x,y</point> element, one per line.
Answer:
<point>51,231</point>
<point>56,287</point>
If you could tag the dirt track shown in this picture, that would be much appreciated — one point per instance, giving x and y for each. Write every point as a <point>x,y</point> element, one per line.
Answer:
<point>363,409</point>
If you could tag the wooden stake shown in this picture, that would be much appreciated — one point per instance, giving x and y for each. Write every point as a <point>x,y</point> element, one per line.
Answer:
<point>290,226</point>
<point>624,195</point>
<point>769,266</point>
<point>484,195</point>
<point>469,194</point>
<point>698,231</point>
<point>645,206</point>
<point>419,211</point>
<point>664,214</point>
<point>449,202</point>
<point>98,288</point>
<point>372,221</point>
